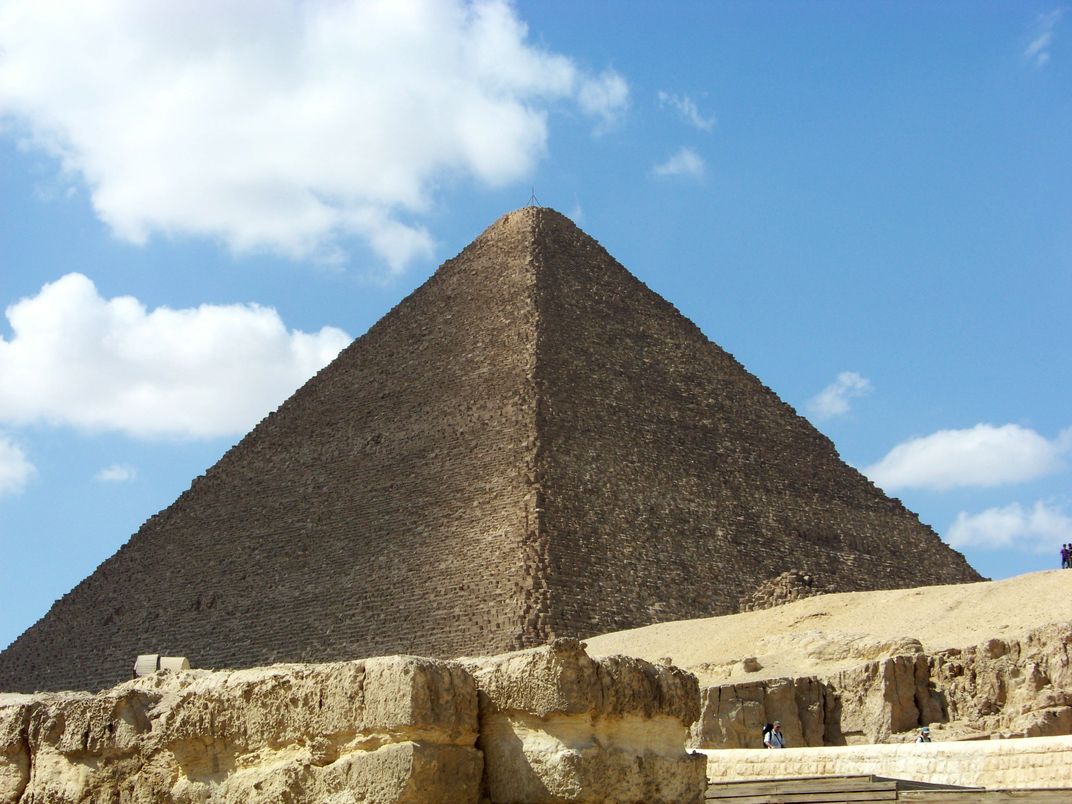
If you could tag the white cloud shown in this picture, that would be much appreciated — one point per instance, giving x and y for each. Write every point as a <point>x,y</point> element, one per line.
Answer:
<point>1038,51</point>
<point>834,399</point>
<point>78,359</point>
<point>116,473</point>
<point>285,125</point>
<point>15,469</point>
<point>981,456</point>
<point>1042,529</point>
<point>605,96</point>
<point>689,111</point>
<point>686,162</point>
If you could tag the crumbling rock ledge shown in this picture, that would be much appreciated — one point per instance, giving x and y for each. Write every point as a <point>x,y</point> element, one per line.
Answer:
<point>999,688</point>
<point>547,724</point>
<point>558,725</point>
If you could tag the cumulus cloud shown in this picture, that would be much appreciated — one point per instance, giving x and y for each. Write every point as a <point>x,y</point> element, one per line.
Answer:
<point>834,400</point>
<point>687,108</point>
<point>116,473</point>
<point>983,455</point>
<point>285,125</point>
<point>1038,51</point>
<point>1042,528</point>
<point>15,469</point>
<point>78,359</point>
<point>686,162</point>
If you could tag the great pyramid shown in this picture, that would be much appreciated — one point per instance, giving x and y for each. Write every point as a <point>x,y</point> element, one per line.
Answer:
<point>533,444</point>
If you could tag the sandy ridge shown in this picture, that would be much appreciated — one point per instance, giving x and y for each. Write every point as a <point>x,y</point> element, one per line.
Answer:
<point>824,634</point>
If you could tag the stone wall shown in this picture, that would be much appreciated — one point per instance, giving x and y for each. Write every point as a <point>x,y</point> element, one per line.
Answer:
<point>390,729</point>
<point>558,725</point>
<point>1038,762</point>
<point>1005,688</point>
<point>548,724</point>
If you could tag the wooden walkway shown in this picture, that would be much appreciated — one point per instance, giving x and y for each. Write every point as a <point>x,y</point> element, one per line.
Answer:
<point>832,789</point>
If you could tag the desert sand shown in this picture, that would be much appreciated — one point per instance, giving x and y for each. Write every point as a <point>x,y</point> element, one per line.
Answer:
<point>828,633</point>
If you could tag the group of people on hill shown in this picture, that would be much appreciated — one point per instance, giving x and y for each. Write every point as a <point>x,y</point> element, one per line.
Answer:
<point>1066,556</point>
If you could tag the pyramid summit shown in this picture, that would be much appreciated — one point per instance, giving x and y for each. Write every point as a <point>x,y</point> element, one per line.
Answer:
<point>531,445</point>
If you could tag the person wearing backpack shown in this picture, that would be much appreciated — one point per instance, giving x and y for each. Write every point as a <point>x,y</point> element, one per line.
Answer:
<point>772,735</point>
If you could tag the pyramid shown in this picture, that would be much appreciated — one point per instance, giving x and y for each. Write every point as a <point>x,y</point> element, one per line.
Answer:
<point>531,445</point>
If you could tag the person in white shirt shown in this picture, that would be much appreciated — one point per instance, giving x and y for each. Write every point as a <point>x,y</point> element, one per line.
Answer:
<point>774,738</point>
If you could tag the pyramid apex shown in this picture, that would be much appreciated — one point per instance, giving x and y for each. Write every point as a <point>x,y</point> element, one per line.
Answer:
<point>524,223</point>
<point>528,214</point>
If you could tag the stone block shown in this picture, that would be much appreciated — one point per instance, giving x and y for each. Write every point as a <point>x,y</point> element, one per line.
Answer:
<point>14,750</point>
<point>389,729</point>
<point>558,725</point>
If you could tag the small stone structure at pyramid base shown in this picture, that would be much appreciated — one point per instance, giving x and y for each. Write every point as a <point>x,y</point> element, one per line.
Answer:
<point>548,724</point>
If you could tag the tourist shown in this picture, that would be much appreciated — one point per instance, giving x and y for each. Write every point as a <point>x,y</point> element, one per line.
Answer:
<point>924,735</point>
<point>774,738</point>
<point>1066,555</point>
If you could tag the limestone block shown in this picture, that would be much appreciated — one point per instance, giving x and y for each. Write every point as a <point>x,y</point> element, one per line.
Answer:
<point>733,715</point>
<point>388,729</point>
<point>1032,763</point>
<point>14,750</point>
<point>397,772</point>
<point>880,698</point>
<point>409,692</point>
<point>558,725</point>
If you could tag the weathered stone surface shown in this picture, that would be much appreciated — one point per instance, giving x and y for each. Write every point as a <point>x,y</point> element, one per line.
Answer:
<point>1041,762</point>
<point>1010,688</point>
<point>14,750</point>
<point>557,725</point>
<point>1005,688</point>
<point>532,445</point>
<point>548,724</point>
<point>732,715</point>
<point>785,588</point>
<point>883,697</point>
<point>385,730</point>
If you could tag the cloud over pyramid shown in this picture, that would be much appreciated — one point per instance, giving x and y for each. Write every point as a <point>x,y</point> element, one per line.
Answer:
<point>533,444</point>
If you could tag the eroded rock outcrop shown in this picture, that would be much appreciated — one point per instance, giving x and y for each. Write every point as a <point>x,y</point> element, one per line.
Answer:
<point>385,729</point>
<point>1006,688</point>
<point>732,715</point>
<point>547,724</point>
<point>1012,688</point>
<point>558,725</point>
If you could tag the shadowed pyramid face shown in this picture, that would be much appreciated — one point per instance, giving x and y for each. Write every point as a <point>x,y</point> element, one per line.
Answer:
<point>532,444</point>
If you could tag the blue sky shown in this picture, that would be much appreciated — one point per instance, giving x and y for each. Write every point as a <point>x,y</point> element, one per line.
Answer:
<point>868,204</point>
